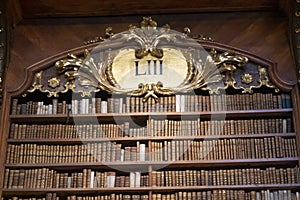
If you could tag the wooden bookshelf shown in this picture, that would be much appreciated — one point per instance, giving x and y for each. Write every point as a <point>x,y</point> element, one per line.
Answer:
<point>152,144</point>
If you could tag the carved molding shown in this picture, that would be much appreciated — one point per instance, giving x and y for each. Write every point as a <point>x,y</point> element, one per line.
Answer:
<point>216,71</point>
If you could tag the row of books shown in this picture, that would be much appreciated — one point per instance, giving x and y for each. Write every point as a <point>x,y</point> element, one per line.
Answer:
<point>48,178</point>
<point>218,127</point>
<point>230,195</point>
<point>56,131</point>
<point>199,195</point>
<point>87,178</point>
<point>90,152</point>
<point>245,176</point>
<point>223,149</point>
<point>156,127</point>
<point>167,150</point>
<point>47,196</point>
<point>177,103</point>
<point>113,196</point>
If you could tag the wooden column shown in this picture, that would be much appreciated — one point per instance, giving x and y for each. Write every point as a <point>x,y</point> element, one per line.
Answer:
<point>4,50</point>
<point>295,33</point>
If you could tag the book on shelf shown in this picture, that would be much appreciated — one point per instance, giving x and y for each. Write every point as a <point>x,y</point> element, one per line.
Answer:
<point>176,103</point>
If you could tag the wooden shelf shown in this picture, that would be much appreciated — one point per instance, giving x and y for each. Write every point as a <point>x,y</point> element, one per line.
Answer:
<point>43,80</point>
<point>131,165</point>
<point>227,187</point>
<point>77,191</point>
<point>133,139</point>
<point>226,163</point>
<point>122,117</point>
<point>145,190</point>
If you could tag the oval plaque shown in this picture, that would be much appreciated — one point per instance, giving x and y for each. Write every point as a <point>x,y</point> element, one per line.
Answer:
<point>129,72</point>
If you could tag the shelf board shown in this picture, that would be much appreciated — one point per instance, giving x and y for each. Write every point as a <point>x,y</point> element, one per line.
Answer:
<point>145,190</point>
<point>77,191</point>
<point>225,163</point>
<point>143,166</point>
<point>112,117</point>
<point>141,139</point>
<point>229,187</point>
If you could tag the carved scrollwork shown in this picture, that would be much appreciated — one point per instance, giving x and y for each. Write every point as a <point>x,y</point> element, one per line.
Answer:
<point>40,86</point>
<point>247,78</point>
<point>153,49</point>
<point>151,90</point>
<point>199,75</point>
<point>263,80</point>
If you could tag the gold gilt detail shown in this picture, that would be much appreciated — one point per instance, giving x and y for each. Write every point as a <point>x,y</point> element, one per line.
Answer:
<point>151,90</point>
<point>146,22</point>
<point>37,85</point>
<point>247,78</point>
<point>85,74</point>
<point>263,80</point>
<point>53,82</point>
<point>199,75</point>
<point>228,63</point>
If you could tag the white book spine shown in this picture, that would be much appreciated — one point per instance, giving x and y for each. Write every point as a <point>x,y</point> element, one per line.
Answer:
<point>92,179</point>
<point>121,105</point>
<point>132,179</point>
<point>122,155</point>
<point>284,125</point>
<point>182,103</point>
<point>81,106</point>
<point>44,109</point>
<point>142,152</point>
<point>73,106</point>
<point>103,106</point>
<point>54,106</point>
<point>177,106</point>
<point>69,182</point>
<point>39,107</point>
<point>50,109</point>
<point>113,180</point>
<point>86,109</point>
<point>137,179</point>
<point>93,105</point>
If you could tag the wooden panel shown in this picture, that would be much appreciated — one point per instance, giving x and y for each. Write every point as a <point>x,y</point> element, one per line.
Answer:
<point>4,46</point>
<point>50,8</point>
<point>294,33</point>
<point>262,33</point>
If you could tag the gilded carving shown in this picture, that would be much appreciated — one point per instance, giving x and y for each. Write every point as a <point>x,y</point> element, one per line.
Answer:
<point>217,66</point>
<point>263,81</point>
<point>264,78</point>
<point>53,82</point>
<point>247,78</point>
<point>228,62</point>
<point>151,90</point>
<point>154,57</point>
<point>146,22</point>
<point>37,85</point>
<point>152,44</point>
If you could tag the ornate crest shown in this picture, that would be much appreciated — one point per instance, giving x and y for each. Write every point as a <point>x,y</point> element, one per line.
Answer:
<point>154,57</point>
<point>151,61</point>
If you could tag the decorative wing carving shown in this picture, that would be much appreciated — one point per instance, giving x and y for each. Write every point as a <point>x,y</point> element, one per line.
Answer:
<point>210,70</point>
